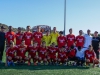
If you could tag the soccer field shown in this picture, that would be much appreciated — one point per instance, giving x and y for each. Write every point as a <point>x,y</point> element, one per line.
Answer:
<point>47,70</point>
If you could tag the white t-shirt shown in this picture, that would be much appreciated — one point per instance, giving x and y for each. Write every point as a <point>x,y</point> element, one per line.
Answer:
<point>81,53</point>
<point>88,40</point>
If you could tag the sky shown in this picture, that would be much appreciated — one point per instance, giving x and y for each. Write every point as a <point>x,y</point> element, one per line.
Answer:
<point>80,14</point>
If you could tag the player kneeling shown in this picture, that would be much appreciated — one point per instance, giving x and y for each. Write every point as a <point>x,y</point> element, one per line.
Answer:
<point>21,52</point>
<point>33,53</point>
<point>52,58</point>
<point>10,55</point>
<point>71,52</point>
<point>42,53</point>
<point>90,56</point>
<point>62,57</point>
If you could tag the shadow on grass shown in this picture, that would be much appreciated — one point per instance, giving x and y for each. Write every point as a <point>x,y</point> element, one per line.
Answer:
<point>41,67</point>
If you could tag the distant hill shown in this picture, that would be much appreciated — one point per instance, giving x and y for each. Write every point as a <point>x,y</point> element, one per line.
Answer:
<point>6,26</point>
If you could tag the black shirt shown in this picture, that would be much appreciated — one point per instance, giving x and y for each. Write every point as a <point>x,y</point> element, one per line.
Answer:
<point>2,38</point>
<point>95,41</point>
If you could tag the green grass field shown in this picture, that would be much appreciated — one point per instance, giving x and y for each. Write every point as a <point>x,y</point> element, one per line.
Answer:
<point>47,70</point>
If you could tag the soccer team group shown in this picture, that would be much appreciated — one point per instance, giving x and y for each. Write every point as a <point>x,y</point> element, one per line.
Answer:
<point>51,49</point>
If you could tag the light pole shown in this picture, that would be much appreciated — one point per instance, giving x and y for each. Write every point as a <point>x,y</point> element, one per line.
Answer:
<point>64,17</point>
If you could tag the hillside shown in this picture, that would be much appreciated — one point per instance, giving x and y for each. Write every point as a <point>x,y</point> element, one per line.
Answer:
<point>6,26</point>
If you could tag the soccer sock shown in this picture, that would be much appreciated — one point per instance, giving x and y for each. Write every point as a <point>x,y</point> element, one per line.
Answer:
<point>87,63</point>
<point>29,61</point>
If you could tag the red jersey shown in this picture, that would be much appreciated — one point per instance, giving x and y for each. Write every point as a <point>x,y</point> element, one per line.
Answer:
<point>52,51</point>
<point>62,55</point>
<point>10,36</point>
<point>19,37</point>
<point>80,41</point>
<point>90,54</point>
<point>32,50</point>
<point>28,38</point>
<point>38,37</point>
<point>61,41</point>
<point>71,53</point>
<point>42,51</point>
<point>70,39</point>
<point>11,51</point>
<point>21,51</point>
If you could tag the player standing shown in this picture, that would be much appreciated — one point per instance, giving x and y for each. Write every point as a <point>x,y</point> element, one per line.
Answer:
<point>47,38</point>
<point>10,35</point>
<point>80,39</point>
<point>37,36</point>
<point>19,36</point>
<point>70,38</point>
<point>88,39</point>
<point>54,36</point>
<point>28,36</point>
<point>61,40</point>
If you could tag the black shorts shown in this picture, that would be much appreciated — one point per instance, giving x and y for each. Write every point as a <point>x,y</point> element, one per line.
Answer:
<point>72,59</point>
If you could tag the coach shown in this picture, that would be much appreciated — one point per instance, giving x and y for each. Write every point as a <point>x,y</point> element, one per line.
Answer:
<point>2,42</point>
<point>88,39</point>
<point>95,43</point>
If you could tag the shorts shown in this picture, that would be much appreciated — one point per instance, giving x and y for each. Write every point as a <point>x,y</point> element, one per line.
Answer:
<point>42,57</point>
<point>52,57</point>
<point>32,56</point>
<point>23,57</point>
<point>62,59</point>
<point>72,58</point>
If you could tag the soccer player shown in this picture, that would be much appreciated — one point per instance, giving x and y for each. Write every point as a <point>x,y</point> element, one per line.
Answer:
<point>33,53</point>
<point>88,39</point>
<point>28,36</point>
<point>47,38</point>
<point>80,39</point>
<point>71,52</point>
<point>2,42</point>
<point>70,38</point>
<point>61,40</point>
<point>95,43</point>
<point>19,36</point>
<point>11,54</point>
<point>80,55</point>
<point>54,36</point>
<point>10,35</point>
<point>37,36</point>
<point>21,52</point>
<point>52,51</point>
<point>91,56</point>
<point>42,54</point>
<point>62,57</point>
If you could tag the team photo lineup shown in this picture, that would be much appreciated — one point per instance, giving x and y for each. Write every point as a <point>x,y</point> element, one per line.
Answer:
<point>53,48</point>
